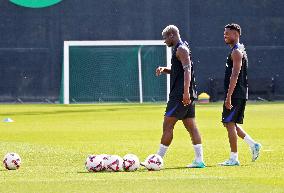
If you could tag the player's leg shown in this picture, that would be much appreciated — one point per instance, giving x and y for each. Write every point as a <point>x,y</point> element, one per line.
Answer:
<point>167,136</point>
<point>239,119</point>
<point>241,133</point>
<point>232,135</point>
<point>191,127</point>
<point>170,119</point>
<point>188,119</point>
<point>254,146</point>
<point>233,140</point>
<point>229,118</point>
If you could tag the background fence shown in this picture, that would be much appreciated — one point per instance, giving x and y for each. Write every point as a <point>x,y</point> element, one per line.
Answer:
<point>31,41</point>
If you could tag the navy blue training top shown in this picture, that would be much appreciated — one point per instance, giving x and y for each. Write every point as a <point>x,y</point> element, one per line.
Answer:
<point>177,76</point>
<point>241,89</point>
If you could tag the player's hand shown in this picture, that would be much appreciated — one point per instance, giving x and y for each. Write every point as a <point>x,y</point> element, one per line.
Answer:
<point>159,70</point>
<point>186,99</point>
<point>228,103</point>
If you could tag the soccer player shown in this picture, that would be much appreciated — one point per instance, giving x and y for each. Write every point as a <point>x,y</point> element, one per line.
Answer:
<point>182,95</point>
<point>236,95</point>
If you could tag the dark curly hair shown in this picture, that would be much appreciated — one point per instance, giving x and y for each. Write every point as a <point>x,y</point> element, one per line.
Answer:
<point>234,26</point>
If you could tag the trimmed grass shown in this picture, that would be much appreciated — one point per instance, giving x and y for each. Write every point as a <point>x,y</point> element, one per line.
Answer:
<point>54,141</point>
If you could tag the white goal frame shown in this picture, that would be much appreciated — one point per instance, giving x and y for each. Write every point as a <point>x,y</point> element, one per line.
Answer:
<point>66,58</point>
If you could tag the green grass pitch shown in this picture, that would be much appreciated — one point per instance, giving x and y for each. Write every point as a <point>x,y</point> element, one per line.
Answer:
<point>54,141</point>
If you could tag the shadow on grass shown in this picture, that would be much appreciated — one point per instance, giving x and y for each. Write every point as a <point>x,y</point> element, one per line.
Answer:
<point>142,170</point>
<point>165,169</point>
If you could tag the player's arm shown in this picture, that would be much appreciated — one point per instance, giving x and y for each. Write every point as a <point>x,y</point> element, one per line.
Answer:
<point>183,56</point>
<point>162,70</point>
<point>237,65</point>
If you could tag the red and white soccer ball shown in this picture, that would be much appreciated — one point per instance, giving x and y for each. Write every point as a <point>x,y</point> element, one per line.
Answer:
<point>12,161</point>
<point>130,162</point>
<point>154,162</point>
<point>105,158</point>
<point>94,163</point>
<point>114,163</point>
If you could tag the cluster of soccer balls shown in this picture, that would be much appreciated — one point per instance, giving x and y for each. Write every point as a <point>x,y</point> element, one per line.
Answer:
<point>114,163</point>
<point>103,162</point>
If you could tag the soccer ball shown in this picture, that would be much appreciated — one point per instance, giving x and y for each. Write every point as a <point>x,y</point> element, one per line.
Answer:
<point>114,163</point>
<point>12,161</point>
<point>154,162</point>
<point>94,163</point>
<point>130,162</point>
<point>105,158</point>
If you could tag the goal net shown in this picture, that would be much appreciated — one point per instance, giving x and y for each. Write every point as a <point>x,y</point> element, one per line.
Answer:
<point>114,71</point>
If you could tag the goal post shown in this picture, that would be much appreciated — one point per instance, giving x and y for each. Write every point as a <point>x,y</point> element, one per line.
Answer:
<point>107,55</point>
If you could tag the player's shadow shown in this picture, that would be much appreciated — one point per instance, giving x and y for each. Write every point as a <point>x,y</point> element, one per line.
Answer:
<point>165,169</point>
<point>186,168</point>
<point>171,168</point>
<point>183,168</point>
<point>207,166</point>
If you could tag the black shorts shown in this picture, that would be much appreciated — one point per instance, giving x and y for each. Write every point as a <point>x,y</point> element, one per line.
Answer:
<point>236,114</point>
<point>175,108</point>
